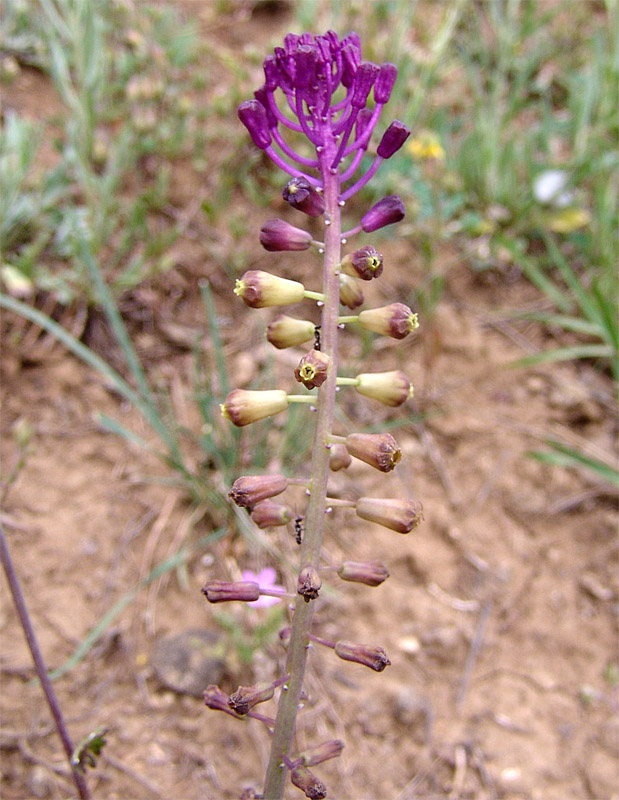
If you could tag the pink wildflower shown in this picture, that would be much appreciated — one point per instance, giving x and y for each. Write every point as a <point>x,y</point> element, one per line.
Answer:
<point>265,580</point>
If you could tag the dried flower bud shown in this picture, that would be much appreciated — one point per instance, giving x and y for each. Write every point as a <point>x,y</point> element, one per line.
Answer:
<point>250,490</point>
<point>398,515</point>
<point>395,320</point>
<point>284,635</point>
<point>351,295</point>
<point>215,698</point>
<point>390,388</point>
<point>300,193</point>
<point>253,115</point>
<point>387,211</point>
<point>371,573</point>
<point>373,657</point>
<point>242,406</point>
<point>393,138</point>
<point>268,514</point>
<point>321,752</point>
<point>309,583</point>
<point>303,779</point>
<point>339,457</point>
<point>246,697</point>
<point>312,369</point>
<point>385,81</point>
<point>379,450</point>
<point>365,263</point>
<point>260,289</point>
<point>286,331</point>
<point>276,234</point>
<point>224,591</point>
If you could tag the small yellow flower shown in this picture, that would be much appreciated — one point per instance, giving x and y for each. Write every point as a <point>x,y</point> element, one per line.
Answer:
<point>426,146</point>
<point>569,219</point>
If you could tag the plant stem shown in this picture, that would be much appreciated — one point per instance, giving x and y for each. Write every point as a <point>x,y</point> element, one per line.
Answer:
<point>315,514</point>
<point>39,663</point>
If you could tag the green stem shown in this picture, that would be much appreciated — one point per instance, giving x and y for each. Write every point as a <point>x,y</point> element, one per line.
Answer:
<point>301,398</point>
<point>277,771</point>
<point>314,295</point>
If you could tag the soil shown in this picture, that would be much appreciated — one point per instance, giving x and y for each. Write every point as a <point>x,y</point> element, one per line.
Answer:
<point>499,616</point>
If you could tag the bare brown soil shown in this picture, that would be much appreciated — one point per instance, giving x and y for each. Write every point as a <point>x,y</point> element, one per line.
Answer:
<point>499,616</point>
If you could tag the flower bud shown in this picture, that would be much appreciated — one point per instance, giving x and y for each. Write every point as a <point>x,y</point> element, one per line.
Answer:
<point>321,752</point>
<point>398,515</point>
<point>286,331</point>
<point>365,263</point>
<point>250,490</point>
<point>371,573</point>
<point>387,211</point>
<point>253,115</point>
<point>395,320</point>
<point>303,779</point>
<point>300,193</point>
<point>224,591</point>
<point>260,289</point>
<point>215,698</point>
<point>242,406</point>
<point>362,83</point>
<point>312,369</point>
<point>373,657</point>
<point>276,234</point>
<point>393,138</point>
<point>246,697</point>
<point>284,635</point>
<point>390,388</point>
<point>268,514</point>
<point>309,583</point>
<point>339,457</point>
<point>379,450</point>
<point>351,295</point>
<point>385,81</point>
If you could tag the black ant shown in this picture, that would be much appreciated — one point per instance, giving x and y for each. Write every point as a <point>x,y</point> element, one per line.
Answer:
<point>316,337</point>
<point>298,529</point>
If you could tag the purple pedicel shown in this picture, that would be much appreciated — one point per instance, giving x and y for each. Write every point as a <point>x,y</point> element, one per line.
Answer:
<point>325,86</point>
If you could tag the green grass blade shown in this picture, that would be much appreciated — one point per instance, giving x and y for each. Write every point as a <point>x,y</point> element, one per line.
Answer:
<point>113,426</point>
<point>535,274</point>
<point>73,345</point>
<point>211,318</point>
<point>565,354</point>
<point>564,456</point>
<point>583,297</point>
<point>106,620</point>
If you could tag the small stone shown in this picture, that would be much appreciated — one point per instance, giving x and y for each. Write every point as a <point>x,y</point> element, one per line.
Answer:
<point>188,661</point>
<point>409,644</point>
<point>40,782</point>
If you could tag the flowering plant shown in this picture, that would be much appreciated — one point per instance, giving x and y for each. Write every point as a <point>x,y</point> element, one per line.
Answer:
<point>318,87</point>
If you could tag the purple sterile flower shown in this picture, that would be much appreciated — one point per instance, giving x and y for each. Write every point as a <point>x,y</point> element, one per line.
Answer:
<point>384,83</point>
<point>387,211</point>
<point>393,138</point>
<point>266,580</point>
<point>253,115</point>
<point>326,86</point>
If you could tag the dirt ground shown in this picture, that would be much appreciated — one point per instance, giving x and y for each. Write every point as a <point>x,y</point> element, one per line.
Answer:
<point>499,616</point>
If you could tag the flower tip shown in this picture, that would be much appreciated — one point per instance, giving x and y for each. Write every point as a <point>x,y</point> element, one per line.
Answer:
<point>253,115</point>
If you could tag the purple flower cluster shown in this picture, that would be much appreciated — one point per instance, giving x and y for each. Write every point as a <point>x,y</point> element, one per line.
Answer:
<point>335,99</point>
